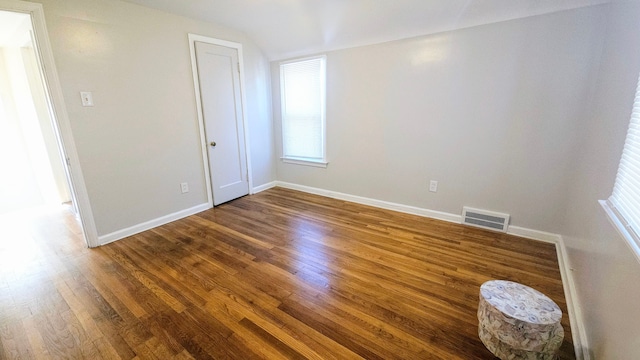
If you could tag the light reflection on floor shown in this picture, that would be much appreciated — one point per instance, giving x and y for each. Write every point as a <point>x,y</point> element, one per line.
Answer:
<point>28,272</point>
<point>308,243</point>
<point>21,236</point>
<point>18,252</point>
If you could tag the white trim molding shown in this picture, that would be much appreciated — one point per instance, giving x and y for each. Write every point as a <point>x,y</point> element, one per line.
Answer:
<point>59,114</point>
<point>576,319</point>
<point>373,202</point>
<point>578,330</point>
<point>535,234</point>
<point>623,228</point>
<point>289,160</point>
<point>580,341</point>
<point>135,229</point>
<point>264,187</point>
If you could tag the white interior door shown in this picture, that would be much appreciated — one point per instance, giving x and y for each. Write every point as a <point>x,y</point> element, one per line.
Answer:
<point>219,78</point>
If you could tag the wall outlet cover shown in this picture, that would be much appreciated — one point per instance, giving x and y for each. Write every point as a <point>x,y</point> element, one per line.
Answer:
<point>433,186</point>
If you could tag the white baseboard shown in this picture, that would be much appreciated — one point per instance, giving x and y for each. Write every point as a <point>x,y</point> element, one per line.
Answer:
<point>135,229</point>
<point>534,234</point>
<point>264,187</point>
<point>373,202</point>
<point>578,330</point>
<point>132,230</point>
<point>575,314</point>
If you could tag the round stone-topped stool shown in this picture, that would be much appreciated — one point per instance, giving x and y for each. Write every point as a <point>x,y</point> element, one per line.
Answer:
<point>518,322</point>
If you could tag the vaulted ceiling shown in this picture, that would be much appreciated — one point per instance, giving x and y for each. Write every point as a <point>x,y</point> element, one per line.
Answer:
<point>287,28</point>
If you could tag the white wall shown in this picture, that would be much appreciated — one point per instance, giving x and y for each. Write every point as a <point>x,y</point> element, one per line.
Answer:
<point>606,272</point>
<point>141,140</point>
<point>491,112</point>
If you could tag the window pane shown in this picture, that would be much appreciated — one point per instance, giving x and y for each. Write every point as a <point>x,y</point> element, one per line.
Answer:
<point>625,198</point>
<point>302,92</point>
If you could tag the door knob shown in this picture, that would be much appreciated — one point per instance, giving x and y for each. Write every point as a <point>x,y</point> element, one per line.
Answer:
<point>213,144</point>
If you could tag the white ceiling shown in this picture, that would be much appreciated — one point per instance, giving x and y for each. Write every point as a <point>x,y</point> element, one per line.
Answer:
<point>287,28</point>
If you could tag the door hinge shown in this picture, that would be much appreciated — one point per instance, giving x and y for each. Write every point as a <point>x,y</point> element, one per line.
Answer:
<point>68,162</point>
<point>238,67</point>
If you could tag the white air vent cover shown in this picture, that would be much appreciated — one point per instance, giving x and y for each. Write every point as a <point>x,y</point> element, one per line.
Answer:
<point>485,219</point>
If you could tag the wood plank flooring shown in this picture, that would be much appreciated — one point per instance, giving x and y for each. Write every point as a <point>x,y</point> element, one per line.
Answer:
<point>277,275</point>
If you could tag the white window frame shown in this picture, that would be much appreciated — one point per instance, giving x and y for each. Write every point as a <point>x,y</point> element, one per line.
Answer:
<point>622,226</point>
<point>622,207</point>
<point>315,162</point>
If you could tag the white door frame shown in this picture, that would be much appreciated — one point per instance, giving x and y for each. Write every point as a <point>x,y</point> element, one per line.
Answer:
<point>59,113</point>
<point>196,84</point>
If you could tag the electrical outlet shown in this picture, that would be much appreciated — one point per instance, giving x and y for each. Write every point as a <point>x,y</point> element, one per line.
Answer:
<point>184,187</point>
<point>433,186</point>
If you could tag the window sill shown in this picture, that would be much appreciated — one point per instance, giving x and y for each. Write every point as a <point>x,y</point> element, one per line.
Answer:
<point>624,230</point>
<point>320,164</point>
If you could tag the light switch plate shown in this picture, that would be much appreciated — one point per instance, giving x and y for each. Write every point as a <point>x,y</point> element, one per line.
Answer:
<point>87,98</point>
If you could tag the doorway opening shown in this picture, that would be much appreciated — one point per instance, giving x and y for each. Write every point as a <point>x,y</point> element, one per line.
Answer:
<point>35,176</point>
<point>55,107</point>
<point>30,156</point>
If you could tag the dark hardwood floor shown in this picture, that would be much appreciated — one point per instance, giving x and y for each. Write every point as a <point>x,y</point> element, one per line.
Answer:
<point>280,274</point>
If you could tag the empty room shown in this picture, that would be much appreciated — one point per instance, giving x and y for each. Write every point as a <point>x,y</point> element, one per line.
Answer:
<point>363,179</point>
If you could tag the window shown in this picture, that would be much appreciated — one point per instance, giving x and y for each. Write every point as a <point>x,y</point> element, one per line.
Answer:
<point>623,206</point>
<point>302,91</point>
